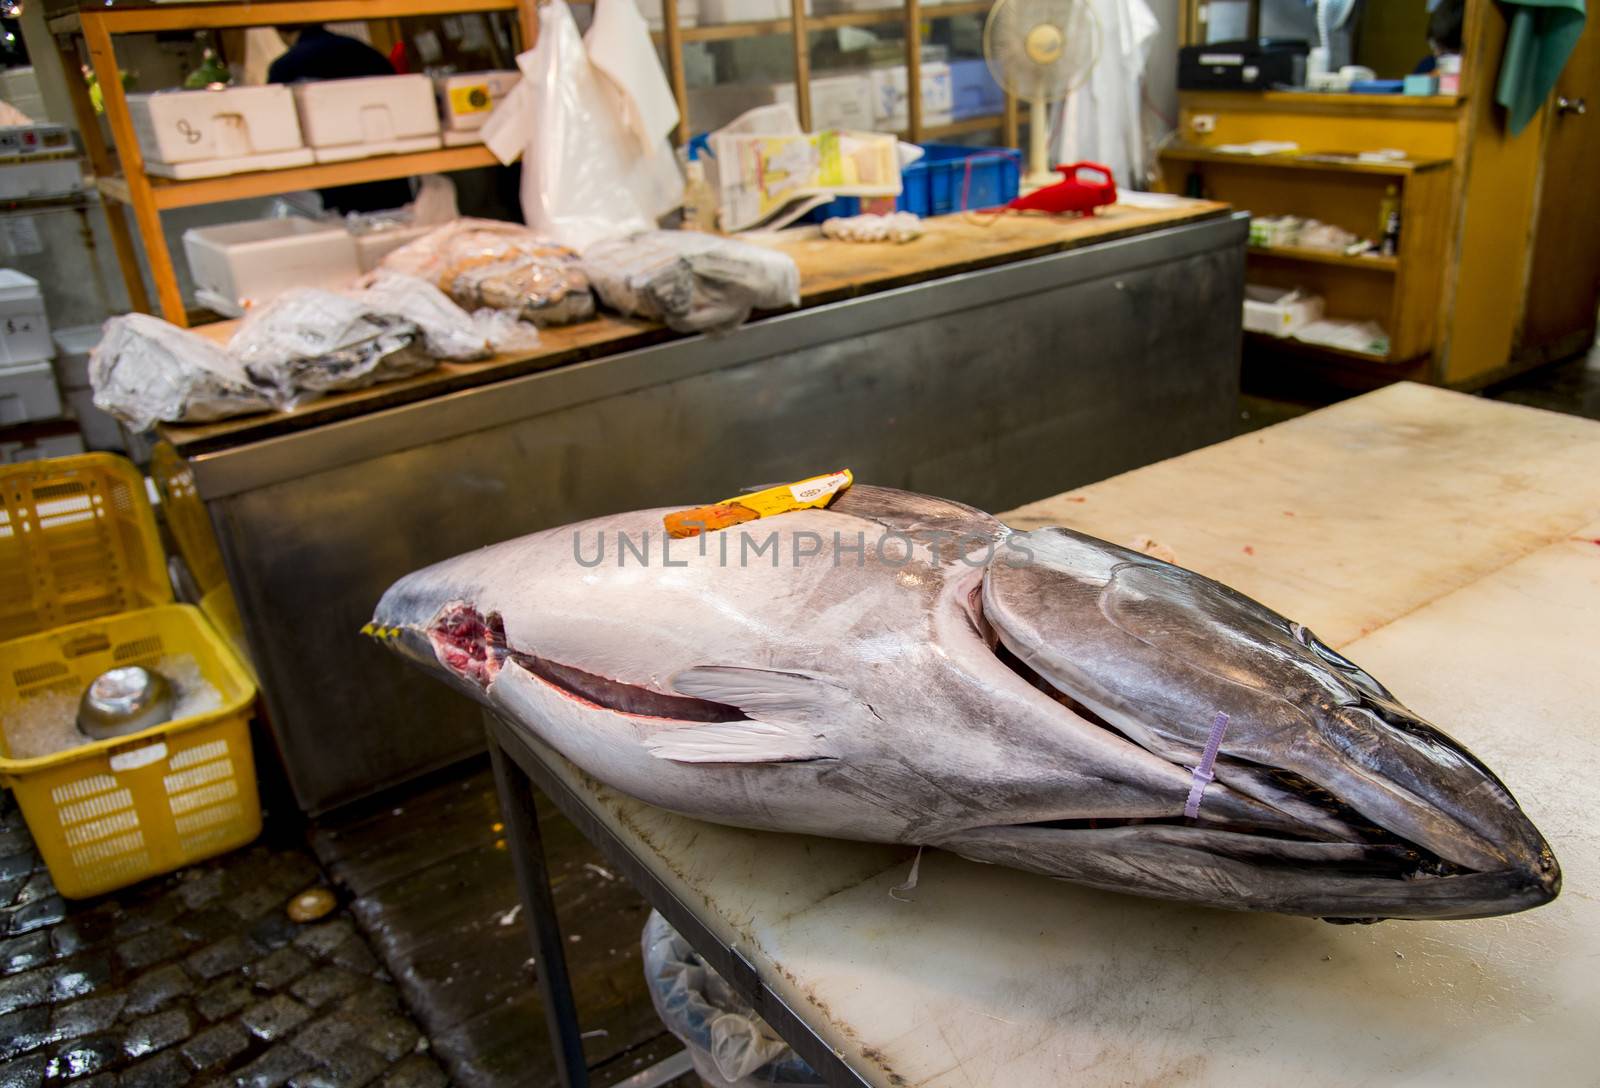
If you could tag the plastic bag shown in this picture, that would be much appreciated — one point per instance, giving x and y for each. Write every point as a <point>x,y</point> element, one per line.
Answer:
<point>504,266</point>
<point>692,282</point>
<point>585,176</point>
<point>448,331</point>
<point>309,341</point>
<point>730,1045</point>
<point>145,371</point>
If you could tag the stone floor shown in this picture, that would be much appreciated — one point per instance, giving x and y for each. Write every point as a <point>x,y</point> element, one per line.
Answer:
<point>197,978</point>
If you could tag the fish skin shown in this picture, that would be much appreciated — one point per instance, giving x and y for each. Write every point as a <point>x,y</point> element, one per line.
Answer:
<point>826,684</point>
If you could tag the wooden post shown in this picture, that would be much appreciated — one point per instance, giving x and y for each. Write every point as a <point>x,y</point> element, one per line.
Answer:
<point>914,70</point>
<point>103,166</point>
<point>104,59</point>
<point>802,62</point>
<point>672,41</point>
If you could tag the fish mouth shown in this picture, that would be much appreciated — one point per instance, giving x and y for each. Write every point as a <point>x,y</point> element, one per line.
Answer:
<point>1318,855</point>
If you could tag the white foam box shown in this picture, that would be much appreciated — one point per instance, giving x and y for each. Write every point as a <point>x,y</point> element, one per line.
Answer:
<point>843,101</point>
<point>28,392</point>
<point>210,133</point>
<point>24,328</point>
<point>73,345</point>
<point>100,431</point>
<point>238,265</point>
<point>39,447</point>
<point>652,10</point>
<point>1277,311</point>
<point>373,246</point>
<point>374,115</point>
<point>467,98</point>
<point>747,11</point>
<point>889,95</point>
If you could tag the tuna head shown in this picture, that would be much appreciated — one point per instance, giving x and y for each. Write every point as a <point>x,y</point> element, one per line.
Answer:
<point>1385,816</point>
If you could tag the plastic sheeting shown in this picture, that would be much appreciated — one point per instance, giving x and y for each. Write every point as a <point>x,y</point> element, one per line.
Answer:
<point>730,1045</point>
<point>448,331</point>
<point>691,282</point>
<point>309,341</point>
<point>145,371</point>
<point>503,266</point>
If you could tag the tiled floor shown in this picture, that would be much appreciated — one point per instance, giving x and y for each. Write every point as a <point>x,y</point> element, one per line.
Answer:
<point>196,978</point>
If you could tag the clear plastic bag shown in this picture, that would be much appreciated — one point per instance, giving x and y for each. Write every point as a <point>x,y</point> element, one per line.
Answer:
<point>448,331</point>
<point>309,341</point>
<point>145,371</point>
<point>690,281</point>
<point>730,1045</point>
<point>504,266</point>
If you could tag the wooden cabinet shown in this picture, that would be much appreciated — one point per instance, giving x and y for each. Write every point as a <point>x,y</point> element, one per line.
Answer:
<point>1497,268</point>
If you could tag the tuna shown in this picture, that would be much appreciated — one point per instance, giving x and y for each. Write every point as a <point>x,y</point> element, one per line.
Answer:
<point>907,669</point>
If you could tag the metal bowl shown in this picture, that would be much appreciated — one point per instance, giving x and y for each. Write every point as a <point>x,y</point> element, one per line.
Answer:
<point>123,701</point>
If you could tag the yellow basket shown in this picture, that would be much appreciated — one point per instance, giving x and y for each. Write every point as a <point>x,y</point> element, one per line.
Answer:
<point>187,518</point>
<point>113,812</point>
<point>77,540</point>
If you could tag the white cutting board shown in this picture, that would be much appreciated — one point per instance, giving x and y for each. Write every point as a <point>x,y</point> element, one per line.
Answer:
<point>1449,544</point>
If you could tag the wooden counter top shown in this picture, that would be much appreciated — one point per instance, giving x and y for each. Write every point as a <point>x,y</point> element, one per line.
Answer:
<point>829,271</point>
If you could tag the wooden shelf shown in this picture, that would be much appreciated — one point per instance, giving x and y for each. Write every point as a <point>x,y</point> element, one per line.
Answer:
<point>1304,160</point>
<point>964,126</point>
<point>1289,343</point>
<point>133,19</point>
<point>183,194</point>
<point>1386,106</point>
<point>717,32</point>
<point>1323,256</point>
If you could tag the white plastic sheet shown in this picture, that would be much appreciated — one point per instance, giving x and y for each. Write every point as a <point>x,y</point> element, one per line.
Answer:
<point>730,1045</point>
<point>585,175</point>
<point>145,371</point>
<point>1103,121</point>
<point>448,331</point>
<point>690,281</point>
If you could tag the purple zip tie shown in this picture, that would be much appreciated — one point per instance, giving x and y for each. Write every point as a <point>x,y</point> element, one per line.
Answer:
<point>1208,759</point>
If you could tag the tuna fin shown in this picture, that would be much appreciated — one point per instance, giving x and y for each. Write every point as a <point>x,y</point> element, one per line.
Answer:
<point>769,695</point>
<point>737,742</point>
<point>788,712</point>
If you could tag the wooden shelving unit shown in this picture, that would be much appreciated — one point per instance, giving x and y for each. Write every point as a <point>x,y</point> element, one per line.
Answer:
<point>1363,261</point>
<point>121,177</point>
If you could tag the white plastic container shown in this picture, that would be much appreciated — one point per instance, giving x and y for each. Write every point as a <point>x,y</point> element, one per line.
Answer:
<point>238,265</point>
<point>837,101</point>
<point>467,98</point>
<point>28,392</point>
<point>38,447</point>
<point>201,134</point>
<point>688,13</point>
<point>375,245</point>
<point>73,345</point>
<point>49,174</point>
<point>1279,312</point>
<point>100,431</point>
<point>743,11</point>
<point>24,328</point>
<point>376,115</point>
<point>889,106</point>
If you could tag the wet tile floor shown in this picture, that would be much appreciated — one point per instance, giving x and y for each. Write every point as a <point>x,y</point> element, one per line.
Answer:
<point>199,978</point>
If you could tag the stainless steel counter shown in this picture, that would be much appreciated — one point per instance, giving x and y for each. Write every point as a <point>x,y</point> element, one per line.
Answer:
<point>995,387</point>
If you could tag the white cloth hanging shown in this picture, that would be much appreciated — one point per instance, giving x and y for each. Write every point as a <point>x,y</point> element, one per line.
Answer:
<point>1103,120</point>
<point>595,160</point>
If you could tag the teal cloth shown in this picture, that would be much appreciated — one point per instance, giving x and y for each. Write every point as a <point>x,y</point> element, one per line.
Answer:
<point>1542,36</point>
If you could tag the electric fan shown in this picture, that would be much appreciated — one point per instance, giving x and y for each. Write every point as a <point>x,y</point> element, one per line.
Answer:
<point>1040,51</point>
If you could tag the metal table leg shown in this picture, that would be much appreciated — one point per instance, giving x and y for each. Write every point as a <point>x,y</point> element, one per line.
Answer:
<point>533,882</point>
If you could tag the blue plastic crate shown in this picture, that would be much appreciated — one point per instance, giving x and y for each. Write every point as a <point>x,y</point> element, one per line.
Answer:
<point>932,185</point>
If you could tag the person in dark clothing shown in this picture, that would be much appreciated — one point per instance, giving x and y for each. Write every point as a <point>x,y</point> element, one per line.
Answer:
<point>317,53</point>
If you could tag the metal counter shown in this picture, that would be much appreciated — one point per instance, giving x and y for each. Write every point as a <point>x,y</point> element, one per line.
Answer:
<point>994,387</point>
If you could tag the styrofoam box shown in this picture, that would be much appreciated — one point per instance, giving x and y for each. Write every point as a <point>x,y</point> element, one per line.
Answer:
<point>100,431</point>
<point>28,392</point>
<point>374,246</point>
<point>24,328</point>
<point>744,11</point>
<point>1279,312</point>
<point>73,345</point>
<point>40,175</point>
<point>374,115</point>
<point>652,10</point>
<point>467,98</point>
<point>37,449</point>
<point>237,265</point>
<point>889,95</point>
<point>837,101</point>
<point>228,123</point>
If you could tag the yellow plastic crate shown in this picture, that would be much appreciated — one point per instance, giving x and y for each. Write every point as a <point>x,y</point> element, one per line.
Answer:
<point>187,518</point>
<point>77,540</point>
<point>113,812</point>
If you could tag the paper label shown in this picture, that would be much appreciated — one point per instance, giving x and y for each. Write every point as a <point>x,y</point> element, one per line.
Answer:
<point>806,494</point>
<point>470,99</point>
